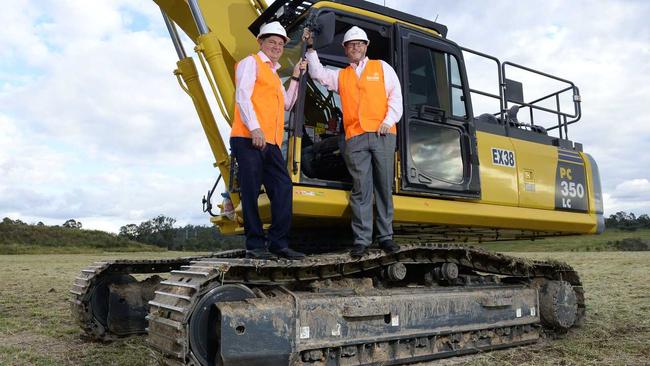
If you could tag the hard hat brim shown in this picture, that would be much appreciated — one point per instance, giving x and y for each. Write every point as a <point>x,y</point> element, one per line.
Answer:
<point>360,39</point>
<point>286,39</point>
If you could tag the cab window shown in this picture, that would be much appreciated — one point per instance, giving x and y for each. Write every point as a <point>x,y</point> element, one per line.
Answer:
<point>434,80</point>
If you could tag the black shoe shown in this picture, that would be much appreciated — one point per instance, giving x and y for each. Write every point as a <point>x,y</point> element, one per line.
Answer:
<point>260,254</point>
<point>288,253</point>
<point>389,246</point>
<point>358,251</point>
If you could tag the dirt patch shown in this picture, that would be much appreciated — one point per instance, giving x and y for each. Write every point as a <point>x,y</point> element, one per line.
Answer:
<point>356,284</point>
<point>632,244</point>
<point>55,348</point>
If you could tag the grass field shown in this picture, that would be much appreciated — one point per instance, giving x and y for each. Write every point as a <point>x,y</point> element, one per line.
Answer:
<point>36,327</point>
<point>603,242</point>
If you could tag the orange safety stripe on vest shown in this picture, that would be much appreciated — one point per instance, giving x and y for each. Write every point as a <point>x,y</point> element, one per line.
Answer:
<point>268,103</point>
<point>363,99</point>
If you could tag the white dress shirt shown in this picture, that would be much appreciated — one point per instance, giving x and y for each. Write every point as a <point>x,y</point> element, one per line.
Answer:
<point>245,76</point>
<point>330,79</point>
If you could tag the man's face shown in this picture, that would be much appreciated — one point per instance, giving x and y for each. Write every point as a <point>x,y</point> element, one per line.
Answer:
<point>272,46</point>
<point>355,51</point>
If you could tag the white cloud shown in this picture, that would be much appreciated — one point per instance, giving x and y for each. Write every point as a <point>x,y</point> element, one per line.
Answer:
<point>24,160</point>
<point>40,183</point>
<point>633,190</point>
<point>102,130</point>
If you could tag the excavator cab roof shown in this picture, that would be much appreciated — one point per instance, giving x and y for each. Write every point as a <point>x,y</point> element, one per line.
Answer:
<point>287,12</point>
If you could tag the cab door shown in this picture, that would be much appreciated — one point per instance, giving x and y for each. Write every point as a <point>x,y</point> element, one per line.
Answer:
<point>437,138</point>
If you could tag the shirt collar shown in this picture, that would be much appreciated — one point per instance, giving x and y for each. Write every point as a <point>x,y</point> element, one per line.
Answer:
<point>362,63</point>
<point>267,60</point>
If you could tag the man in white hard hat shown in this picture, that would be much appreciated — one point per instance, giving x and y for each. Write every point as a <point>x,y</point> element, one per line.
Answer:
<point>371,99</point>
<point>256,140</point>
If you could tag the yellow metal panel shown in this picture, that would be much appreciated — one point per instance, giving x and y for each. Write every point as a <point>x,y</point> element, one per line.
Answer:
<point>590,188</point>
<point>536,166</point>
<point>330,207</point>
<point>179,12</point>
<point>295,176</point>
<point>228,19</point>
<point>328,204</point>
<point>472,214</point>
<point>499,184</point>
<point>590,183</point>
<point>321,202</point>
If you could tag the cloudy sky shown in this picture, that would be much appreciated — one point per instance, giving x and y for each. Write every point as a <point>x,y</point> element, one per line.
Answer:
<point>93,125</point>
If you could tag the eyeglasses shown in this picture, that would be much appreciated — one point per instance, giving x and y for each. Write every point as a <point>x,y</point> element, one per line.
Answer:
<point>272,42</point>
<point>353,44</point>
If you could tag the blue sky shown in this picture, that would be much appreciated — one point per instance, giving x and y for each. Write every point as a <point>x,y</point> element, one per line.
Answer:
<point>93,125</point>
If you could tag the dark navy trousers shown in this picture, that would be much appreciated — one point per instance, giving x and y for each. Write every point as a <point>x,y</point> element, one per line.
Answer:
<point>257,167</point>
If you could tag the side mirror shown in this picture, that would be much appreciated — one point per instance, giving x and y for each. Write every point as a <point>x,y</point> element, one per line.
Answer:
<point>323,29</point>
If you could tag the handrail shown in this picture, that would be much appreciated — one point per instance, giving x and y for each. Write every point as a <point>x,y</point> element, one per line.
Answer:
<point>562,124</point>
<point>562,117</point>
<point>500,78</point>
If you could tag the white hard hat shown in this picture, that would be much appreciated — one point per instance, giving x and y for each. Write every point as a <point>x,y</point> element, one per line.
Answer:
<point>355,34</point>
<point>274,28</point>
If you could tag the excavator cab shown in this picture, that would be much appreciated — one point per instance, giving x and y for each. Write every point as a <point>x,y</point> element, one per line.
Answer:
<point>444,152</point>
<point>436,136</point>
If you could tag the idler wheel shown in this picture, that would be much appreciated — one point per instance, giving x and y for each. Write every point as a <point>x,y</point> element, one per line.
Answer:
<point>99,297</point>
<point>204,322</point>
<point>558,305</point>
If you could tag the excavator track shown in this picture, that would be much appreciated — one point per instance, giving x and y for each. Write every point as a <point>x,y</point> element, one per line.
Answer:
<point>177,297</point>
<point>95,275</point>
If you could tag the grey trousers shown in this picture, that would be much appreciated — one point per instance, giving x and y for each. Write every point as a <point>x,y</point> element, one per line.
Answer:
<point>371,161</point>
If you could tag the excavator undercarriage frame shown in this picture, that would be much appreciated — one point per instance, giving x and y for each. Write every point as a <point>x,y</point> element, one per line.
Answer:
<point>421,303</point>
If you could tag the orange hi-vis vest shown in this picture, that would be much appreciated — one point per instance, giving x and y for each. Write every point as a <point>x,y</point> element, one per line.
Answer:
<point>268,103</point>
<point>363,99</point>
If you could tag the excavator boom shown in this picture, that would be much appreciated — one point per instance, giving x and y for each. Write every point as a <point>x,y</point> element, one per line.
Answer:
<point>228,20</point>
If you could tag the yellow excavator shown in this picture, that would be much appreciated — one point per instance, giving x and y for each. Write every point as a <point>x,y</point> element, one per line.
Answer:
<point>461,177</point>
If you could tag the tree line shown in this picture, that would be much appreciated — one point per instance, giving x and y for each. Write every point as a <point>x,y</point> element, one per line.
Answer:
<point>160,231</point>
<point>627,221</point>
<point>19,237</point>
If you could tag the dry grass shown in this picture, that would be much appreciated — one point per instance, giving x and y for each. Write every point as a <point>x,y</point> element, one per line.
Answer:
<point>36,327</point>
<point>580,243</point>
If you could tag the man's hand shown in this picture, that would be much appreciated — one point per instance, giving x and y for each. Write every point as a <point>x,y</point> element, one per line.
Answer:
<point>300,68</point>
<point>384,128</point>
<point>259,142</point>
<point>307,36</point>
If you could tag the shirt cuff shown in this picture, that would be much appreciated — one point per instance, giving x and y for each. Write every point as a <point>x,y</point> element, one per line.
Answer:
<point>389,123</point>
<point>253,125</point>
<point>247,113</point>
